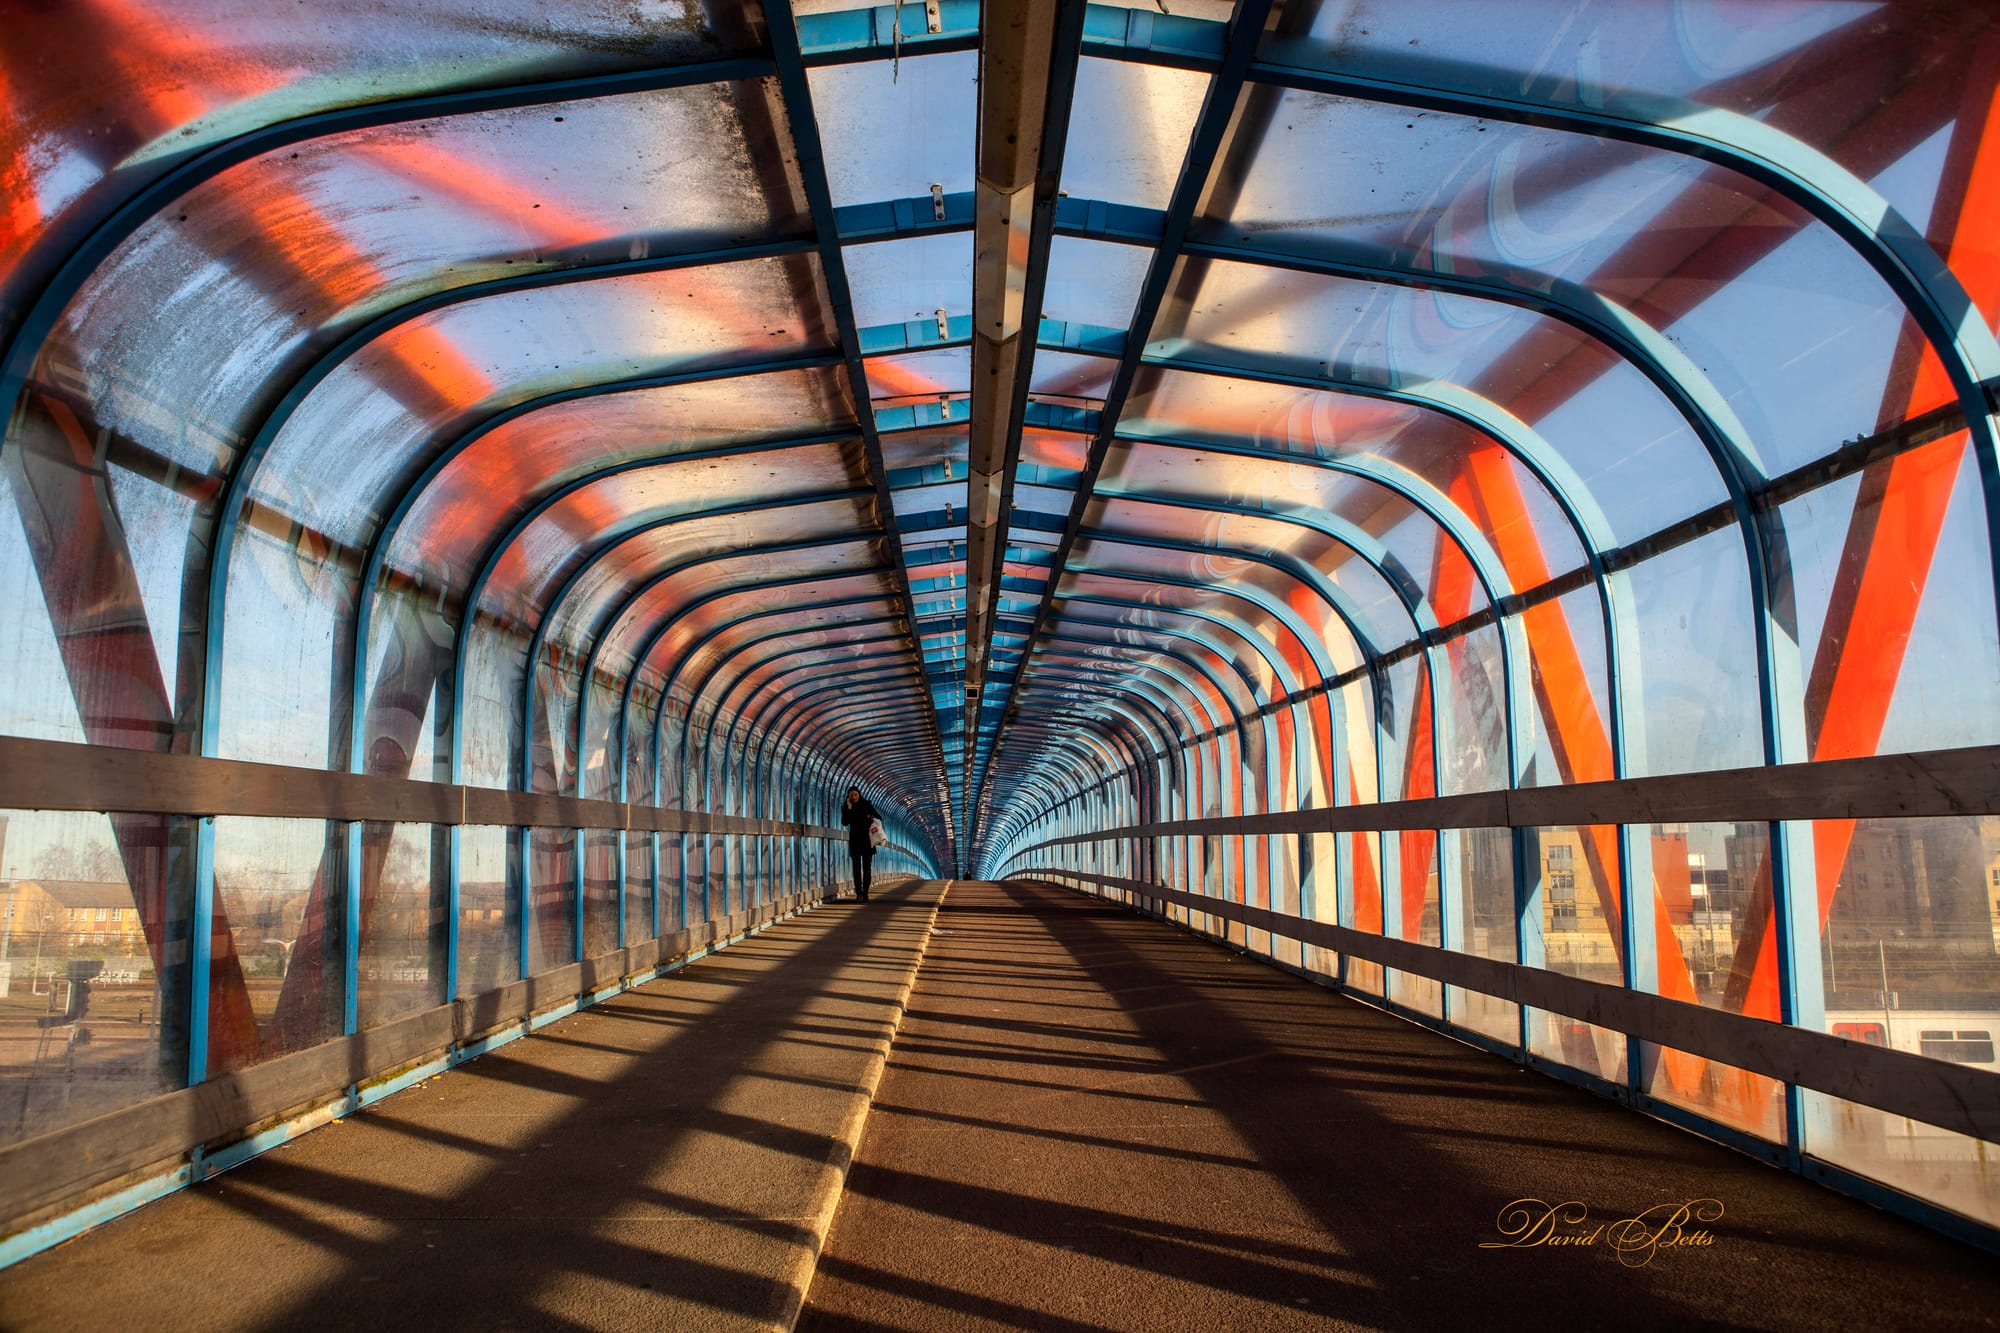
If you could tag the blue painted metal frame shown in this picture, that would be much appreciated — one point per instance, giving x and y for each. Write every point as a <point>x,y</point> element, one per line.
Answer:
<point>550,616</point>
<point>666,689</point>
<point>1089,674</point>
<point>1273,661</point>
<point>859,670</point>
<point>1424,629</point>
<point>791,639</point>
<point>737,760</point>
<point>1064,630</point>
<point>788,635</point>
<point>696,694</point>
<point>1335,599</point>
<point>538,639</point>
<point>1895,250</point>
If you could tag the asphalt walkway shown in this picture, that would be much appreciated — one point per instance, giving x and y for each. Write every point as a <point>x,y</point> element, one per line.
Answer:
<point>1087,1121</point>
<point>669,1158</point>
<point>1092,1121</point>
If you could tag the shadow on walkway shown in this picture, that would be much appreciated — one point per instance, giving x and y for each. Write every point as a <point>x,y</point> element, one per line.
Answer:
<point>1094,1121</point>
<point>664,1159</point>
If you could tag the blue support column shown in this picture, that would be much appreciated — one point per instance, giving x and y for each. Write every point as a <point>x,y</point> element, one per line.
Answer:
<point>201,949</point>
<point>454,907</point>
<point>525,894</point>
<point>350,944</point>
<point>576,884</point>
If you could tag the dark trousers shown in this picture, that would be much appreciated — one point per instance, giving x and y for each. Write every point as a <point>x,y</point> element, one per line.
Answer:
<point>864,862</point>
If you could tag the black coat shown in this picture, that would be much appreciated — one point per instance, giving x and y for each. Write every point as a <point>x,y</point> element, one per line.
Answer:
<point>858,817</point>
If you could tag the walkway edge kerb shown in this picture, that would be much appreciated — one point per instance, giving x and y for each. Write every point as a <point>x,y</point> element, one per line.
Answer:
<point>796,1284</point>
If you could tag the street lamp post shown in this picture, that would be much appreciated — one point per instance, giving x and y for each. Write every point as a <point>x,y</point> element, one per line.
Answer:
<point>35,977</point>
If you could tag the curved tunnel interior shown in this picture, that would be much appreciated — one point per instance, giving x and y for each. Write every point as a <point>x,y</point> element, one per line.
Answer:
<point>482,480</point>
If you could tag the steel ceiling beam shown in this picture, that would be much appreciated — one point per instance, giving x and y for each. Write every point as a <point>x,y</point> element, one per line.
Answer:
<point>1029,50</point>
<point>1246,29</point>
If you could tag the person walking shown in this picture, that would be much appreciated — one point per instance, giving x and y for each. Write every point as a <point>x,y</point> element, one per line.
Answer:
<point>860,816</point>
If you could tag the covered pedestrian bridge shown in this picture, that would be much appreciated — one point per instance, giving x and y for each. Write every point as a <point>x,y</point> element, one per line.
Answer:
<point>1488,508</point>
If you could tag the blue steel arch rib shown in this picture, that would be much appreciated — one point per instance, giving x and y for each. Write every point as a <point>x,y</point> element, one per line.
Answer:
<point>1118,723</point>
<point>1484,561</point>
<point>668,680</point>
<point>1060,631</point>
<point>891,698</point>
<point>831,646</point>
<point>1782,688</point>
<point>1423,622</point>
<point>539,638</point>
<point>1081,743</point>
<point>830,733</point>
<point>761,586</point>
<point>1308,642</point>
<point>1221,714</point>
<point>1174,723</point>
<point>1119,774</point>
<point>1068,668</point>
<point>768,689</point>
<point>751,713</point>
<point>602,634</point>
<point>490,561</point>
<point>868,698</point>
<point>851,732</point>
<point>898,677</point>
<point>245,467</point>
<point>1846,205</point>
<point>1143,690</point>
<point>385,536</point>
<point>1332,597</point>
<point>1258,648</point>
<point>699,690</point>
<point>1524,443</point>
<point>788,637</point>
<point>645,650</point>
<point>1063,632</point>
<point>769,670</point>
<point>1481,414</point>
<point>762,735</point>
